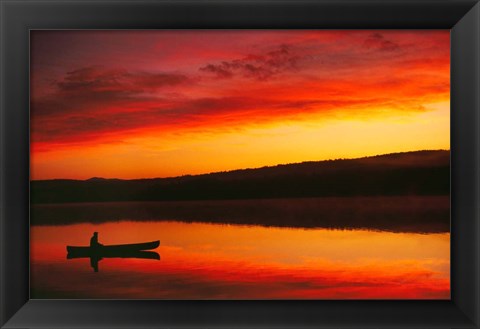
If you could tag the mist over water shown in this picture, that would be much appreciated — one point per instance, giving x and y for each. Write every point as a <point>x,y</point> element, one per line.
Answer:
<point>420,214</point>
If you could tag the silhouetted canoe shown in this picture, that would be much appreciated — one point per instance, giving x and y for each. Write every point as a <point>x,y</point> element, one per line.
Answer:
<point>113,249</point>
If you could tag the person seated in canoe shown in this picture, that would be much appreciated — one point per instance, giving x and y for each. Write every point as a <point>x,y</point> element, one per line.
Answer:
<point>94,241</point>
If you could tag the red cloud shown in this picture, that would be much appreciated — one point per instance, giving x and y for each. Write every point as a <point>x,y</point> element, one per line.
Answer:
<point>312,74</point>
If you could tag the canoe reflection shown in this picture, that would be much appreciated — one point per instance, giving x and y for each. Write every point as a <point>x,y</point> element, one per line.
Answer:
<point>95,257</point>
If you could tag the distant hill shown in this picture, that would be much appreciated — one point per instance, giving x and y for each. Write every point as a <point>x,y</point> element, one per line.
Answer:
<point>409,173</point>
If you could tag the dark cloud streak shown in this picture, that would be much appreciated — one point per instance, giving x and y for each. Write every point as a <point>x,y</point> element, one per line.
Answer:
<point>93,88</point>
<point>376,41</point>
<point>258,67</point>
<point>97,79</point>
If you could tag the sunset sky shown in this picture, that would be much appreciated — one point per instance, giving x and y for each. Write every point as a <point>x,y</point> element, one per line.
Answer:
<point>139,104</point>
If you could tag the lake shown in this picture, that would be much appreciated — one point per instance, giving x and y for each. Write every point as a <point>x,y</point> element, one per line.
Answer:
<point>321,248</point>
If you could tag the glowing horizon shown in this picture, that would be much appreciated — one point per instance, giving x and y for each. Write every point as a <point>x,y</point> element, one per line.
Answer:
<point>148,104</point>
<point>248,168</point>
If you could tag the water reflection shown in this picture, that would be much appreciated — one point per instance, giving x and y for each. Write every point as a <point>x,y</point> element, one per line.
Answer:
<point>96,257</point>
<point>213,261</point>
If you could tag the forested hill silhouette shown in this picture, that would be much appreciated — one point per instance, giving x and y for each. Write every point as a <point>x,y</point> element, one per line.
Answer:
<point>409,173</point>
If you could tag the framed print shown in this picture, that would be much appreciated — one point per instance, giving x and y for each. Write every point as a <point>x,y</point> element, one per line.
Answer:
<point>280,164</point>
<point>172,179</point>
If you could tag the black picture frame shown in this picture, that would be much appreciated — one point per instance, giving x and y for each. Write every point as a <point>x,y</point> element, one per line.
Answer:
<point>18,17</point>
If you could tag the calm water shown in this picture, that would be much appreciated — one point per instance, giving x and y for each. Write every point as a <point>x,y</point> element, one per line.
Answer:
<point>213,260</point>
